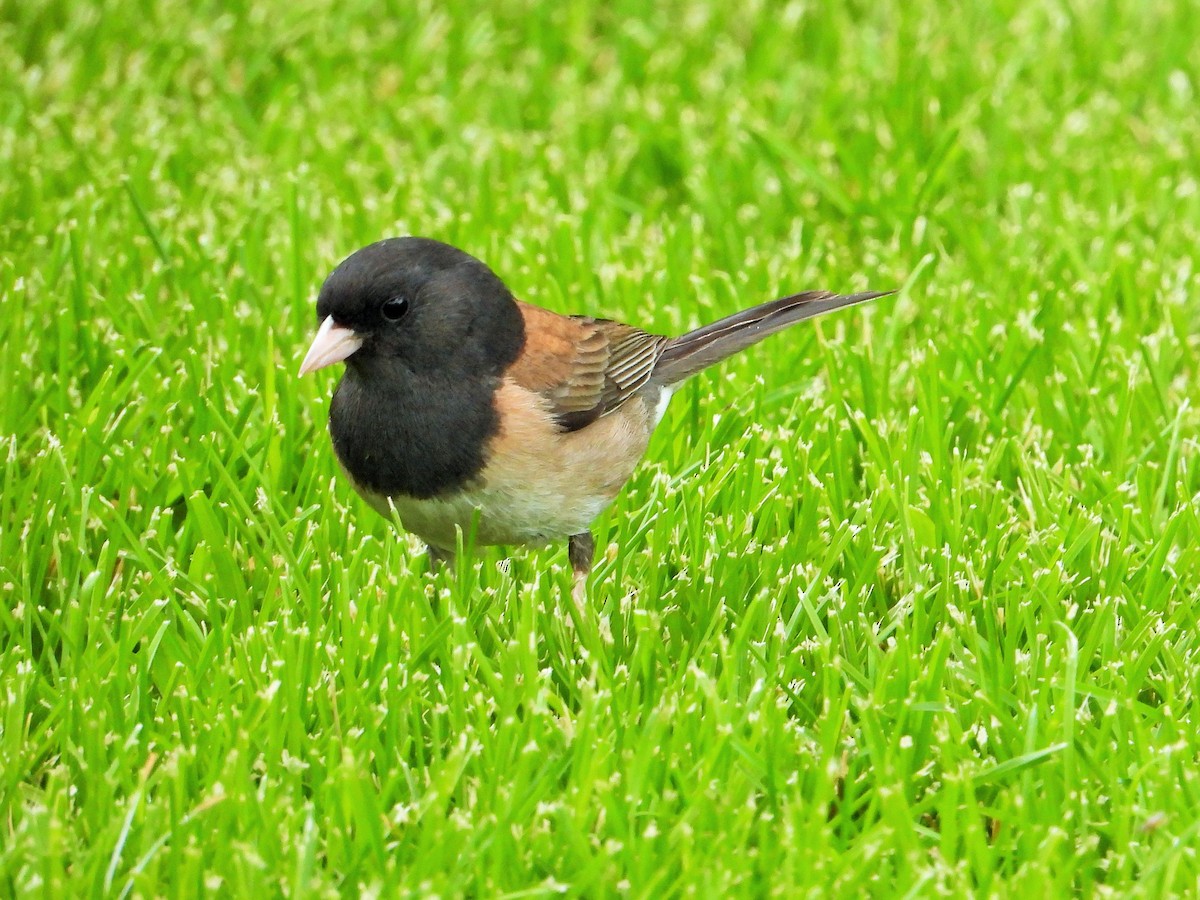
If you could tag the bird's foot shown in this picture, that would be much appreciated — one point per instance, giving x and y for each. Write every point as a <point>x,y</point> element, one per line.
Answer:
<point>580,550</point>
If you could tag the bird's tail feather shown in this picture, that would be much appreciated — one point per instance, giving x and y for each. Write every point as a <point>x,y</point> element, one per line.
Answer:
<point>689,353</point>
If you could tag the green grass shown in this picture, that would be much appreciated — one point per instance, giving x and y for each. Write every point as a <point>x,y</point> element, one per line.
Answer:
<point>904,601</point>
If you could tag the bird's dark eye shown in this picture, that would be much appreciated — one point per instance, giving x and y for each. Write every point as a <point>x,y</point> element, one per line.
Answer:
<point>394,309</point>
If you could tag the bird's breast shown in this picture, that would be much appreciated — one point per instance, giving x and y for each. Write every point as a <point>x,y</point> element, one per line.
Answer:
<point>537,483</point>
<point>398,433</point>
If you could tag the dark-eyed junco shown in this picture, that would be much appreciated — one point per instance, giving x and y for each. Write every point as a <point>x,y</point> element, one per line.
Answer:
<point>459,401</point>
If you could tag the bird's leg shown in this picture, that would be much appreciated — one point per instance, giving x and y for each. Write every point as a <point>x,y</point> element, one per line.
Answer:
<point>438,557</point>
<point>580,550</point>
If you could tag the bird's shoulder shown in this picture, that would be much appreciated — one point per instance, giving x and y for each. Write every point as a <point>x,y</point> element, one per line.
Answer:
<point>585,367</point>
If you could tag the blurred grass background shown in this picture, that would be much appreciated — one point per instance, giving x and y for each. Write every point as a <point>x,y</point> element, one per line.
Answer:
<point>903,601</point>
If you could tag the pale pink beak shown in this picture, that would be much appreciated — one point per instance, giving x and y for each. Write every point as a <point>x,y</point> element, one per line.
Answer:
<point>333,343</point>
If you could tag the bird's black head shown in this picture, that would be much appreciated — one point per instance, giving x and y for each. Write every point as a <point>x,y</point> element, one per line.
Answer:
<point>416,303</point>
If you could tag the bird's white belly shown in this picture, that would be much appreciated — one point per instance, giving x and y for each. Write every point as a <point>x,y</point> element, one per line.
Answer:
<point>497,516</point>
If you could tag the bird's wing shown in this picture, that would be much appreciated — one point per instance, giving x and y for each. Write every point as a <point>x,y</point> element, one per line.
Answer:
<point>584,367</point>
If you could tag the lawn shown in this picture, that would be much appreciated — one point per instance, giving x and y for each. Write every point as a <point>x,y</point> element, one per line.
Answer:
<point>903,601</point>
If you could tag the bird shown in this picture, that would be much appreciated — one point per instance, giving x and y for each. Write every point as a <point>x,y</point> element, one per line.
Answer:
<point>462,409</point>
